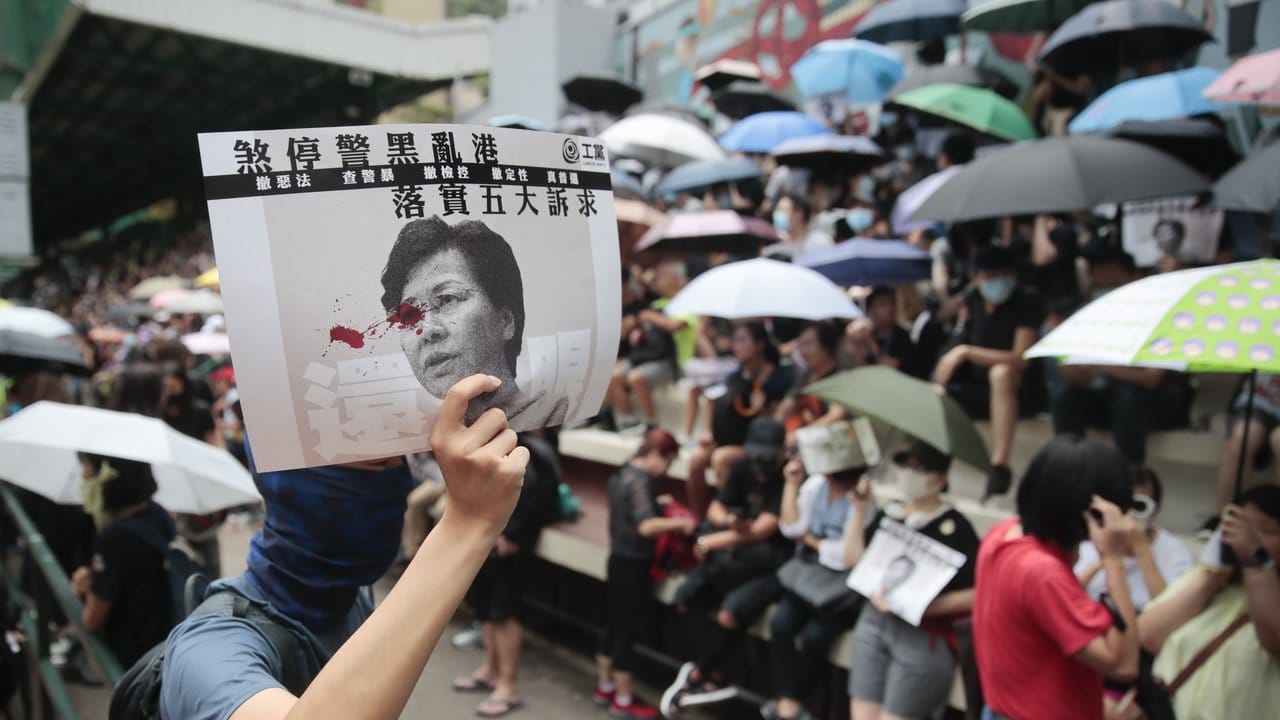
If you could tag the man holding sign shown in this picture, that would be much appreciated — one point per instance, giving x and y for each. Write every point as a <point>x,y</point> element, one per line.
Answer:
<point>918,574</point>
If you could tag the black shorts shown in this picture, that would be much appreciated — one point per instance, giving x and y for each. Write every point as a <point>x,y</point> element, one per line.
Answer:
<point>496,594</point>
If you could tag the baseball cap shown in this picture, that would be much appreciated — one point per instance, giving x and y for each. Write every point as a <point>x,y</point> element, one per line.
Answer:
<point>930,458</point>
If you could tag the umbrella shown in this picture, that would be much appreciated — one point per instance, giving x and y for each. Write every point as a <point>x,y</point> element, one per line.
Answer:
<point>1061,174</point>
<point>200,302</point>
<point>587,124</point>
<point>152,285</point>
<point>516,122</point>
<point>38,449</point>
<point>35,321</point>
<point>208,279</point>
<point>603,93</point>
<point>863,71</point>
<point>162,299</point>
<point>1104,34</point>
<point>107,335</point>
<point>763,288</point>
<point>1255,79</point>
<point>977,108</point>
<point>699,116</point>
<point>913,406</point>
<point>720,73</point>
<point>131,310</point>
<point>1253,185</point>
<point>846,153</point>
<point>28,352</point>
<point>1200,143</point>
<point>207,343</point>
<point>626,186</point>
<point>1020,16</point>
<point>709,231</point>
<point>913,197</point>
<point>637,212</point>
<point>660,140</point>
<point>702,174</point>
<point>1223,318</point>
<point>956,75</point>
<point>763,132</point>
<point>742,98</point>
<point>910,20</point>
<point>862,261</point>
<point>1159,97</point>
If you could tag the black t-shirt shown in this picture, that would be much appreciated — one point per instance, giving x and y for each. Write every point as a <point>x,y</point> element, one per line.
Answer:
<point>751,490</point>
<point>129,573</point>
<point>1056,282</point>
<point>728,423</point>
<point>996,330</point>
<point>632,500</point>
<point>950,528</point>
<point>194,419</point>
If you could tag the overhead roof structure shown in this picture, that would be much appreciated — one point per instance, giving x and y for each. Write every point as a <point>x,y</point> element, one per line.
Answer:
<point>122,87</point>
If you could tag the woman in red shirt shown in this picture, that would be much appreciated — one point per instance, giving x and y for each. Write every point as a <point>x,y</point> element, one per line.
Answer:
<point>1043,644</point>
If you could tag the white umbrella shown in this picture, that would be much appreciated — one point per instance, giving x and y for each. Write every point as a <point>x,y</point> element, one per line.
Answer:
<point>763,288</point>
<point>207,343</point>
<point>660,140</point>
<point>38,449</point>
<point>199,302</point>
<point>34,321</point>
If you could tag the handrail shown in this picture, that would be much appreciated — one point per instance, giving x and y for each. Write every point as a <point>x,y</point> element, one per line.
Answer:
<point>104,661</point>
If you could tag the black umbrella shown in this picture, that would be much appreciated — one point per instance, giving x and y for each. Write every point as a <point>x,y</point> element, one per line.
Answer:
<point>1059,175</point>
<point>1200,143</point>
<point>958,75</point>
<point>741,98</point>
<point>1118,32</point>
<point>1253,185</point>
<point>601,92</point>
<point>833,153</point>
<point>720,73</point>
<point>910,20</point>
<point>28,352</point>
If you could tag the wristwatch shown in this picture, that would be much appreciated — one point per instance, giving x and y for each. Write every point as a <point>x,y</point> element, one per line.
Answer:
<point>1259,559</point>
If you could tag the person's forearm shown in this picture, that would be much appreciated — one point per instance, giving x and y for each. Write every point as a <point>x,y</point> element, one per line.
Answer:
<point>854,542</point>
<point>956,602</point>
<point>1151,574</point>
<point>986,357</point>
<point>373,673</point>
<point>790,505</point>
<point>1160,619</point>
<point>655,526</point>
<point>1263,589</point>
<point>1127,649</point>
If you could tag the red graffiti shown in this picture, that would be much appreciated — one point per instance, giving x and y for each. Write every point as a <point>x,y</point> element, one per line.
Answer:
<point>347,336</point>
<point>406,316</point>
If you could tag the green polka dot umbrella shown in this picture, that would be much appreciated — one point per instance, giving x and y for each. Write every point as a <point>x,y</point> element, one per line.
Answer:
<point>1224,318</point>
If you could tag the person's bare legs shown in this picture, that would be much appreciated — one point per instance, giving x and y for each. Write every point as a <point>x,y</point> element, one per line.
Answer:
<point>1226,475</point>
<point>617,395</point>
<point>604,671</point>
<point>697,493</point>
<point>1005,381</point>
<point>488,670</point>
<point>507,638</point>
<point>691,409</point>
<point>639,385</point>
<point>864,710</point>
<point>723,459</point>
<point>622,681</point>
<point>789,707</point>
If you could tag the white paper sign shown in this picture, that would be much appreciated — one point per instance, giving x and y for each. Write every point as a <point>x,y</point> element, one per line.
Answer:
<point>907,568</point>
<point>838,446</point>
<point>1174,227</point>
<point>364,270</point>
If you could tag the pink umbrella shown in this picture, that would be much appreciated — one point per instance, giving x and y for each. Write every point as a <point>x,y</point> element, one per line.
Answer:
<point>164,297</point>
<point>207,343</point>
<point>709,231</point>
<point>1255,79</point>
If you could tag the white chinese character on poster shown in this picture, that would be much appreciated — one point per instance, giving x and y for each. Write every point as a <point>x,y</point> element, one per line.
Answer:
<point>906,568</point>
<point>355,303</point>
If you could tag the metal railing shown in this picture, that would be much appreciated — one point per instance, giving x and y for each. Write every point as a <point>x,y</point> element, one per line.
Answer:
<point>46,589</point>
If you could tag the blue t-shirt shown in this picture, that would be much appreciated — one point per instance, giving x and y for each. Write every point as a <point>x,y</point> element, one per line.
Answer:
<point>214,663</point>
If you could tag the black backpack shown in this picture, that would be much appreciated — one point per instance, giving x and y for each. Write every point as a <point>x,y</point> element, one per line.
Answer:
<point>179,562</point>
<point>137,696</point>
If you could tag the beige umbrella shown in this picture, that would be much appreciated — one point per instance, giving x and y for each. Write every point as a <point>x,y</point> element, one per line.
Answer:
<point>152,285</point>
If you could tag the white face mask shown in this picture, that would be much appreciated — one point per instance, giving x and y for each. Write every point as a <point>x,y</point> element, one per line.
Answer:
<point>914,484</point>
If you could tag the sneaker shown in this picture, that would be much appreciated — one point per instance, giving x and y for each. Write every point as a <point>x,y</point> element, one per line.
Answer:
<point>472,638</point>
<point>671,699</point>
<point>999,480</point>
<point>769,710</point>
<point>1205,531</point>
<point>603,698</point>
<point>707,693</point>
<point>637,709</point>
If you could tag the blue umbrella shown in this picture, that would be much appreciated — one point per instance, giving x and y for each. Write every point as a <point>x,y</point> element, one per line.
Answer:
<point>910,20</point>
<point>863,71</point>
<point>1160,97</point>
<point>862,261</point>
<point>702,174</point>
<point>763,132</point>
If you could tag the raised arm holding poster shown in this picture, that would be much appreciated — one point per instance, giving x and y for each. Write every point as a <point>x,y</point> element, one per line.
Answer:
<point>908,569</point>
<point>364,270</point>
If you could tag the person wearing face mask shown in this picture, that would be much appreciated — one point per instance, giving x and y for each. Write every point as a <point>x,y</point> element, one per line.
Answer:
<point>985,371</point>
<point>791,219</point>
<point>904,671</point>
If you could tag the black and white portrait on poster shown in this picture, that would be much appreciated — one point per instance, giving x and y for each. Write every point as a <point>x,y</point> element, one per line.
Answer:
<point>907,569</point>
<point>365,270</point>
<point>1180,228</point>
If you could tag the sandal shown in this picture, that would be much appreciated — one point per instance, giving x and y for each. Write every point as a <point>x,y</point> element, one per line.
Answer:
<point>492,708</point>
<point>471,683</point>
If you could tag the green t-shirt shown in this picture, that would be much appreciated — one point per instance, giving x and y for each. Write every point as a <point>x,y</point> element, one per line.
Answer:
<point>686,338</point>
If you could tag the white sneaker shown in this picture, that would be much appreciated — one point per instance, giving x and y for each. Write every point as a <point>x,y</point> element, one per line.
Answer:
<point>695,697</point>
<point>670,704</point>
<point>472,638</point>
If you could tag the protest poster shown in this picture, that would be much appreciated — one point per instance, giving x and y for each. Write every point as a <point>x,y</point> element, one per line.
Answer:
<point>907,568</point>
<point>364,270</point>
<point>838,446</point>
<point>1181,228</point>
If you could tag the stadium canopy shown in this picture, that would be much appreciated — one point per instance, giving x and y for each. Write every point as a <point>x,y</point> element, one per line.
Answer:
<point>120,89</point>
